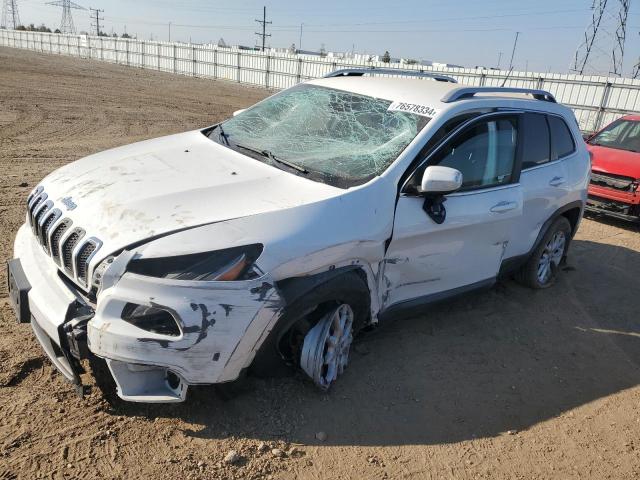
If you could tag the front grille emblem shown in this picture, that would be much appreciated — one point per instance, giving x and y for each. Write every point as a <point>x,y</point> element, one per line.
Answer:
<point>69,203</point>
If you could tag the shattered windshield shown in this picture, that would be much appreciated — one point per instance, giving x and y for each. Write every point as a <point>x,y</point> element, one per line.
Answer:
<point>337,137</point>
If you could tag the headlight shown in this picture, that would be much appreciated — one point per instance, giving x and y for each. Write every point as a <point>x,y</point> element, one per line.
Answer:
<point>222,265</point>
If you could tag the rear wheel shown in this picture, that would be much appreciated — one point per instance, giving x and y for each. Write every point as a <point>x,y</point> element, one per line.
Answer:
<point>542,267</point>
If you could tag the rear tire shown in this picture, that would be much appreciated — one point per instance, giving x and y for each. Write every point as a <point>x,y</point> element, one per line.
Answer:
<point>542,267</point>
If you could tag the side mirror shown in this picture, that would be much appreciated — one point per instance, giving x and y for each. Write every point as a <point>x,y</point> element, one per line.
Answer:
<point>440,180</point>
<point>238,112</point>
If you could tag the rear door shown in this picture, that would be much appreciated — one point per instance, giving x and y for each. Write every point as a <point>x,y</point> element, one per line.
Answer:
<point>426,259</point>
<point>546,146</point>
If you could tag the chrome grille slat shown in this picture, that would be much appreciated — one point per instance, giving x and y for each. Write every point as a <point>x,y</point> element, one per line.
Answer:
<point>84,255</point>
<point>66,250</point>
<point>59,239</point>
<point>39,214</point>
<point>56,236</point>
<point>35,205</point>
<point>46,225</point>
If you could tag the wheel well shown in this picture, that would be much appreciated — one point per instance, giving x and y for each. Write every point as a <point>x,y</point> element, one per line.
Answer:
<point>573,215</point>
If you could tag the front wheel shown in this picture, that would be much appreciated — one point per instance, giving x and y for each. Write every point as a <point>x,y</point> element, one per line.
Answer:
<point>542,267</point>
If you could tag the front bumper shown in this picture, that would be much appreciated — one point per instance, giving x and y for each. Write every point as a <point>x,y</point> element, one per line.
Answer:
<point>613,208</point>
<point>222,326</point>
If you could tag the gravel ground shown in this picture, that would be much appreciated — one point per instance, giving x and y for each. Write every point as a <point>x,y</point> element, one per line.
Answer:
<point>508,383</point>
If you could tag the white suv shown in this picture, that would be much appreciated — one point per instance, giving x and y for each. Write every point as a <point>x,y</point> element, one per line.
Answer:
<point>272,238</point>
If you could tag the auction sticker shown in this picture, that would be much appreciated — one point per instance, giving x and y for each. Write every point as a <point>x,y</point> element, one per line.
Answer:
<point>416,108</point>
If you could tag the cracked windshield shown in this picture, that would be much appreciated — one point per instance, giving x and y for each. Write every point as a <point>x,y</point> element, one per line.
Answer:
<point>340,138</point>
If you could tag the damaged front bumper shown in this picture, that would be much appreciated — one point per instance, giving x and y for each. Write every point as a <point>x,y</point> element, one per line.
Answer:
<point>222,325</point>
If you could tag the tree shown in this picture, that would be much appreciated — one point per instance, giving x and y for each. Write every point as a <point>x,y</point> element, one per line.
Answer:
<point>21,28</point>
<point>386,58</point>
<point>126,35</point>
<point>57,30</point>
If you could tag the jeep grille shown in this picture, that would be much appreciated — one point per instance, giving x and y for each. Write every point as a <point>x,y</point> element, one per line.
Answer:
<point>67,246</point>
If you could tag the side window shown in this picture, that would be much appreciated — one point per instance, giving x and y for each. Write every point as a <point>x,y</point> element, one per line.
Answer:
<point>414,172</point>
<point>485,153</point>
<point>536,148</point>
<point>561,138</point>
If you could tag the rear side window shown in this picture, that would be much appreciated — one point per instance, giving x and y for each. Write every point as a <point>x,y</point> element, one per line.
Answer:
<point>561,138</point>
<point>536,148</point>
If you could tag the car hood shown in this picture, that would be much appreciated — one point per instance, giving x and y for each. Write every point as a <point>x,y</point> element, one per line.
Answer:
<point>619,162</point>
<point>145,190</point>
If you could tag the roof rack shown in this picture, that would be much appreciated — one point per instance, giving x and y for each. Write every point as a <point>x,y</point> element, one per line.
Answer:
<point>359,72</point>
<point>468,92</point>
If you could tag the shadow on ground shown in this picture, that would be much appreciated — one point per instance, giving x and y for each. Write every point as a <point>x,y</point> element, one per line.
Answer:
<point>478,366</point>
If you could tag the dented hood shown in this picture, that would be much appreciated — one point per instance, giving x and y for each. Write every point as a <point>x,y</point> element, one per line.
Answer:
<point>619,162</point>
<point>128,194</point>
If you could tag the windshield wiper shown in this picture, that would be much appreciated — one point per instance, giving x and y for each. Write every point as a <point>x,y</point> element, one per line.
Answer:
<point>268,154</point>
<point>222,135</point>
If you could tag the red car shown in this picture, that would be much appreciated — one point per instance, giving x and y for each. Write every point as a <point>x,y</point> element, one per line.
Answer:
<point>615,170</point>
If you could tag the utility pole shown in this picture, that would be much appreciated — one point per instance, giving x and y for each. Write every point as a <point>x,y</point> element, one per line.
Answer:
<point>499,60</point>
<point>96,18</point>
<point>169,32</point>
<point>264,23</point>
<point>10,17</point>
<point>513,53</point>
<point>636,69</point>
<point>300,42</point>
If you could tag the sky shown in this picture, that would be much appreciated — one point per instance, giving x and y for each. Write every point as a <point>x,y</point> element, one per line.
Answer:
<point>463,32</point>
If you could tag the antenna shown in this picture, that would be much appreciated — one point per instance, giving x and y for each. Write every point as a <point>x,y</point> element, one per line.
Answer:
<point>602,49</point>
<point>10,17</point>
<point>66,24</point>
<point>264,23</point>
<point>96,18</point>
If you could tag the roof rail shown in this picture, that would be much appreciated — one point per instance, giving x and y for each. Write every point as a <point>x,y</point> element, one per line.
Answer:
<point>359,72</point>
<point>468,92</point>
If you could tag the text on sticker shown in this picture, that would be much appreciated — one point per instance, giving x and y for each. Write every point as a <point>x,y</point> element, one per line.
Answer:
<point>423,110</point>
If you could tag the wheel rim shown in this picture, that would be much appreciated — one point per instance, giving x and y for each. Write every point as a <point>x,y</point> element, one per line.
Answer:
<point>551,257</point>
<point>325,352</point>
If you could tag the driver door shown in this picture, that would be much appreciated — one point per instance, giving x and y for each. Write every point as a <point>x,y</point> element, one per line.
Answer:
<point>427,261</point>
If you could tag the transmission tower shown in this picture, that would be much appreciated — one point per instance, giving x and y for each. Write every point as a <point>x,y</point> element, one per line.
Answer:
<point>66,24</point>
<point>264,24</point>
<point>602,49</point>
<point>95,17</point>
<point>10,17</point>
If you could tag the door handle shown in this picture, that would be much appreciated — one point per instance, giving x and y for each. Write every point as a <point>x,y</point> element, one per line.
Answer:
<point>504,207</point>
<point>556,181</point>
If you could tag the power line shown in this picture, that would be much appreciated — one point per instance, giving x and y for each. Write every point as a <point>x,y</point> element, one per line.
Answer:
<point>66,24</point>
<point>96,18</point>
<point>264,23</point>
<point>10,16</point>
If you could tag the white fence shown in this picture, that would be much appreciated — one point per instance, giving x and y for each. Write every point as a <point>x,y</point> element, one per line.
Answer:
<point>595,100</point>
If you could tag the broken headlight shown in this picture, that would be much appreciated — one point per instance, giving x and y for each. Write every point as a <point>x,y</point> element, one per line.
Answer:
<point>151,319</point>
<point>230,264</point>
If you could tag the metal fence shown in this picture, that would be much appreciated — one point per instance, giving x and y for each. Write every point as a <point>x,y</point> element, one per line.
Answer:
<point>596,100</point>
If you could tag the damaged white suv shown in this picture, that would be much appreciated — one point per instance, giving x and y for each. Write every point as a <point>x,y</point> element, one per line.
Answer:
<point>273,237</point>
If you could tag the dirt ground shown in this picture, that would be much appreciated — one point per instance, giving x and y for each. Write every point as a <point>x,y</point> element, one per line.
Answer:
<point>508,383</point>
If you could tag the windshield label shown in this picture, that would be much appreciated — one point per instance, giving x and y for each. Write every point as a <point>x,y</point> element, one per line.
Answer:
<point>423,110</point>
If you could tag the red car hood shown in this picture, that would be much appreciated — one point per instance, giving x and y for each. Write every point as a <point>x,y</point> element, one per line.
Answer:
<point>619,162</point>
